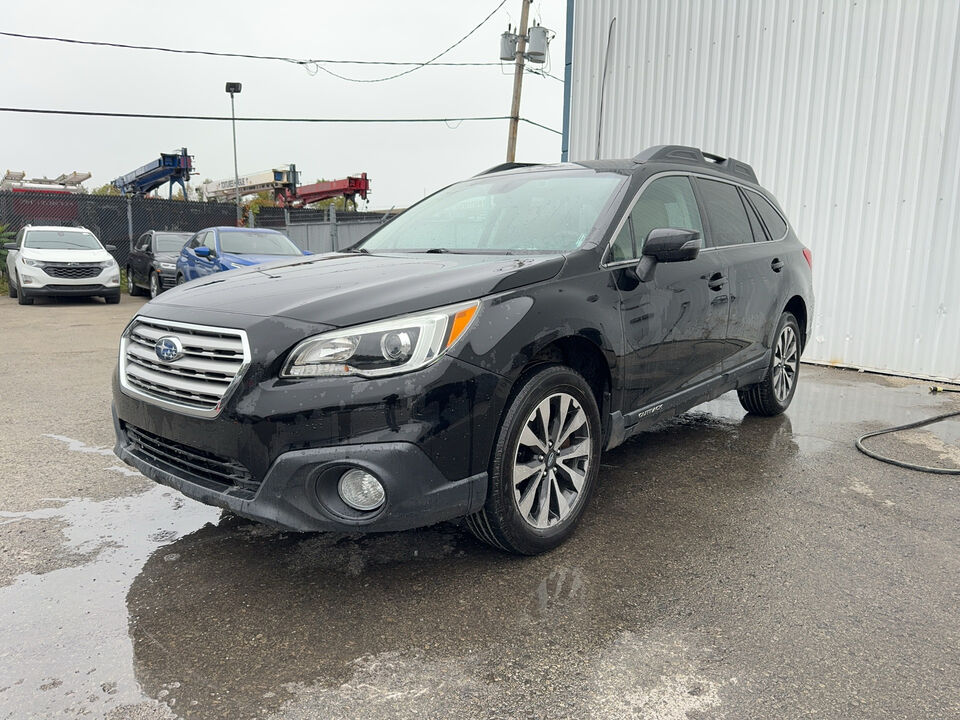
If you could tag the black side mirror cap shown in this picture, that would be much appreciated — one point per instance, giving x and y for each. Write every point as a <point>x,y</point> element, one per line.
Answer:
<point>667,245</point>
<point>11,246</point>
<point>109,248</point>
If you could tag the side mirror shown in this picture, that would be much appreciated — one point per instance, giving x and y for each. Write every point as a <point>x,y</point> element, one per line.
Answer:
<point>109,248</point>
<point>665,245</point>
<point>202,251</point>
<point>11,246</point>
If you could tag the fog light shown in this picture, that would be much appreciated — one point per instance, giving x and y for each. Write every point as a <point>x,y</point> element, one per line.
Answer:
<point>361,490</point>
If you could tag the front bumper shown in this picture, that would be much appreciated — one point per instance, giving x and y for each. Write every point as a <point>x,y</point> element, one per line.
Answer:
<point>37,282</point>
<point>168,278</point>
<point>76,290</point>
<point>273,451</point>
<point>299,491</point>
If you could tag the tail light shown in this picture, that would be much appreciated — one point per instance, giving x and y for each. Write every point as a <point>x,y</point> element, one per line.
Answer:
<point>809,257</point>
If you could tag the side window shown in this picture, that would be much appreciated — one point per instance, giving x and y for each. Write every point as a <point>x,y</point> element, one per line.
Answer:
<point>729,224</point>
<point>771,218</point>
<point>143,243</point>
<point>210,241</point>
<point>623,247</point>
<point>195,241</point>
<point>668,202</point>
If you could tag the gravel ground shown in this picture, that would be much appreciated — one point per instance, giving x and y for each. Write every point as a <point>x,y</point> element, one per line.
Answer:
<point>729,567</point>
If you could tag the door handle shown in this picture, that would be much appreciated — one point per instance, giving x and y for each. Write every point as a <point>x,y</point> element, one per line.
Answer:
<point>716,281</point>
<point>776,265</point>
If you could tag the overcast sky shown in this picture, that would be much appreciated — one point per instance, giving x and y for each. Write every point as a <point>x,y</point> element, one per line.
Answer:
<point>403,161</point>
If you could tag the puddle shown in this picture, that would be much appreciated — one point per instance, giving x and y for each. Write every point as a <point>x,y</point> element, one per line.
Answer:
<point>66,643</point>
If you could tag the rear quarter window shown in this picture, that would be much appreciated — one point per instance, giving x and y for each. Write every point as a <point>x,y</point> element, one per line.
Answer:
<point>775,223</point>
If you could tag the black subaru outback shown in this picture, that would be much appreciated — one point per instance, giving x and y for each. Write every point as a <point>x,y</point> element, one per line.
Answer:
<point>473,357</point>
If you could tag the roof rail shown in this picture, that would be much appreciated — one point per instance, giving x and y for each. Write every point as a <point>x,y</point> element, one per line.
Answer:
<point>505,166</point>
<point>695,156</point>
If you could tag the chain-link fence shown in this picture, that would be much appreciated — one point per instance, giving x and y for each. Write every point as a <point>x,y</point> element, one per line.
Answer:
<point>114,220</point>
<point>118,220</point>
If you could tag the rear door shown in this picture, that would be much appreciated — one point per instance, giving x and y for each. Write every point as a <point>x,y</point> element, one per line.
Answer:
<point>754,268</point>
<point>675,324</point>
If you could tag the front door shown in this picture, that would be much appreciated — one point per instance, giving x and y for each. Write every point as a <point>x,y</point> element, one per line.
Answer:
<point>675,324</point>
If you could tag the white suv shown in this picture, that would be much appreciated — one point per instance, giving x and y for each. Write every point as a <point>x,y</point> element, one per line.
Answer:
<point>56,261</point>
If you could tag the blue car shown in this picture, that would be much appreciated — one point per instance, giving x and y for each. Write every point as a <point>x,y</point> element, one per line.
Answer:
<point>216,249</point>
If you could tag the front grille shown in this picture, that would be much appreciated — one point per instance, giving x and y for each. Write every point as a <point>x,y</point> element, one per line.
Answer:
<point>194,383</point>
<point>200,466</point>
<point>72,272</point>
<point>73,288</point>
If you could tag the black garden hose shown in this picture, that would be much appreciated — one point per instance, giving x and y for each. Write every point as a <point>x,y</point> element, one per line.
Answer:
<point>910,426</point>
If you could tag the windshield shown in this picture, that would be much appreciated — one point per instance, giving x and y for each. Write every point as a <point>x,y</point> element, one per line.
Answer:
<point>170,242</point>
<point>543,211</point>
<point>60,240</point>
<point>250,242</point>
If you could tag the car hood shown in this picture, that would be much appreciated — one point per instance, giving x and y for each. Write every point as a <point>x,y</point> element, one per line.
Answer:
<point>342,289</point>
<point>246,259</point>
<point>168,257</point>
<point>48,255</point>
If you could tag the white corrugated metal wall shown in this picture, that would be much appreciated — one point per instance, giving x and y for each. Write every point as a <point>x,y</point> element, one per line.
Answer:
<point>849,110</point>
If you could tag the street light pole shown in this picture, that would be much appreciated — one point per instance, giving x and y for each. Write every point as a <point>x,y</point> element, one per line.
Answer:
<point>235,87</point>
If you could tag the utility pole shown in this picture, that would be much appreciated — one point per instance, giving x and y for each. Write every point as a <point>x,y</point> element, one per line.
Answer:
<point>235,87</point>
<point>518,82</point>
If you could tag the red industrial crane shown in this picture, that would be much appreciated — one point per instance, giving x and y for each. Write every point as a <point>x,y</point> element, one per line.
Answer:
<point>349,187</point>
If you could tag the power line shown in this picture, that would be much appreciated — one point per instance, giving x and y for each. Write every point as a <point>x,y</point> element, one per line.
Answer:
<point>428,62</point>
<point>312,66</point>
<point>543,73</point>
<point>245,56</point>
<point>159,116</point>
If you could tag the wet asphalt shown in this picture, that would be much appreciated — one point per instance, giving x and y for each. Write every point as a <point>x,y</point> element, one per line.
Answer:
<point>729,567</point>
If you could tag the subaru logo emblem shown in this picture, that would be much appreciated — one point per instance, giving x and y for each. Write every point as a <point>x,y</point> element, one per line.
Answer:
<point>168,349</point>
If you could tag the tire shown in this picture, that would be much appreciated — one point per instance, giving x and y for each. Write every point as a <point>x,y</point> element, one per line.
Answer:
<point>22,298</point>
<point>155,287</point>
<point>772,395</point>
<point>180,279</point>
<point>542,509</point>
<point>111,299</point>
<point>11,290</point>
<point>132,288</point>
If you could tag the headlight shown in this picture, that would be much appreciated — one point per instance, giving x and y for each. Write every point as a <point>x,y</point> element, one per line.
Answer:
<point>32,263</point>
<point>168,266</point>
<point>109,263</point>
<point>383,348</point>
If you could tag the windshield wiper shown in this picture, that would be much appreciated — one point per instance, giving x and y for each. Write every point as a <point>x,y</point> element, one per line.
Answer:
<point>437,250</point>
<point>358,250</point>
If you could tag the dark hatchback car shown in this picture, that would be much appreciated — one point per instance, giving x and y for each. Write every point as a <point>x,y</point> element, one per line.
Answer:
<point>473,357</point>
<point>152,264</point>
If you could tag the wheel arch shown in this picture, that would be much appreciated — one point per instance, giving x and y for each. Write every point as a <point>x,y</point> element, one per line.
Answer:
<point>587,358</point>
<point>798,308</point>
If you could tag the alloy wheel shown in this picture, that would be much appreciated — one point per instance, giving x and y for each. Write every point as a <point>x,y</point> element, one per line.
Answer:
<point>154,285</point>
<point>551,461</point>
<point>786,363</point>
<point>130,288</point>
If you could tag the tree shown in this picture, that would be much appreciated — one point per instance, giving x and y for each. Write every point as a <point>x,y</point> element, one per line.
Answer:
<point>105,189</point>
<point>261,200</point>
<point>6,235</point>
